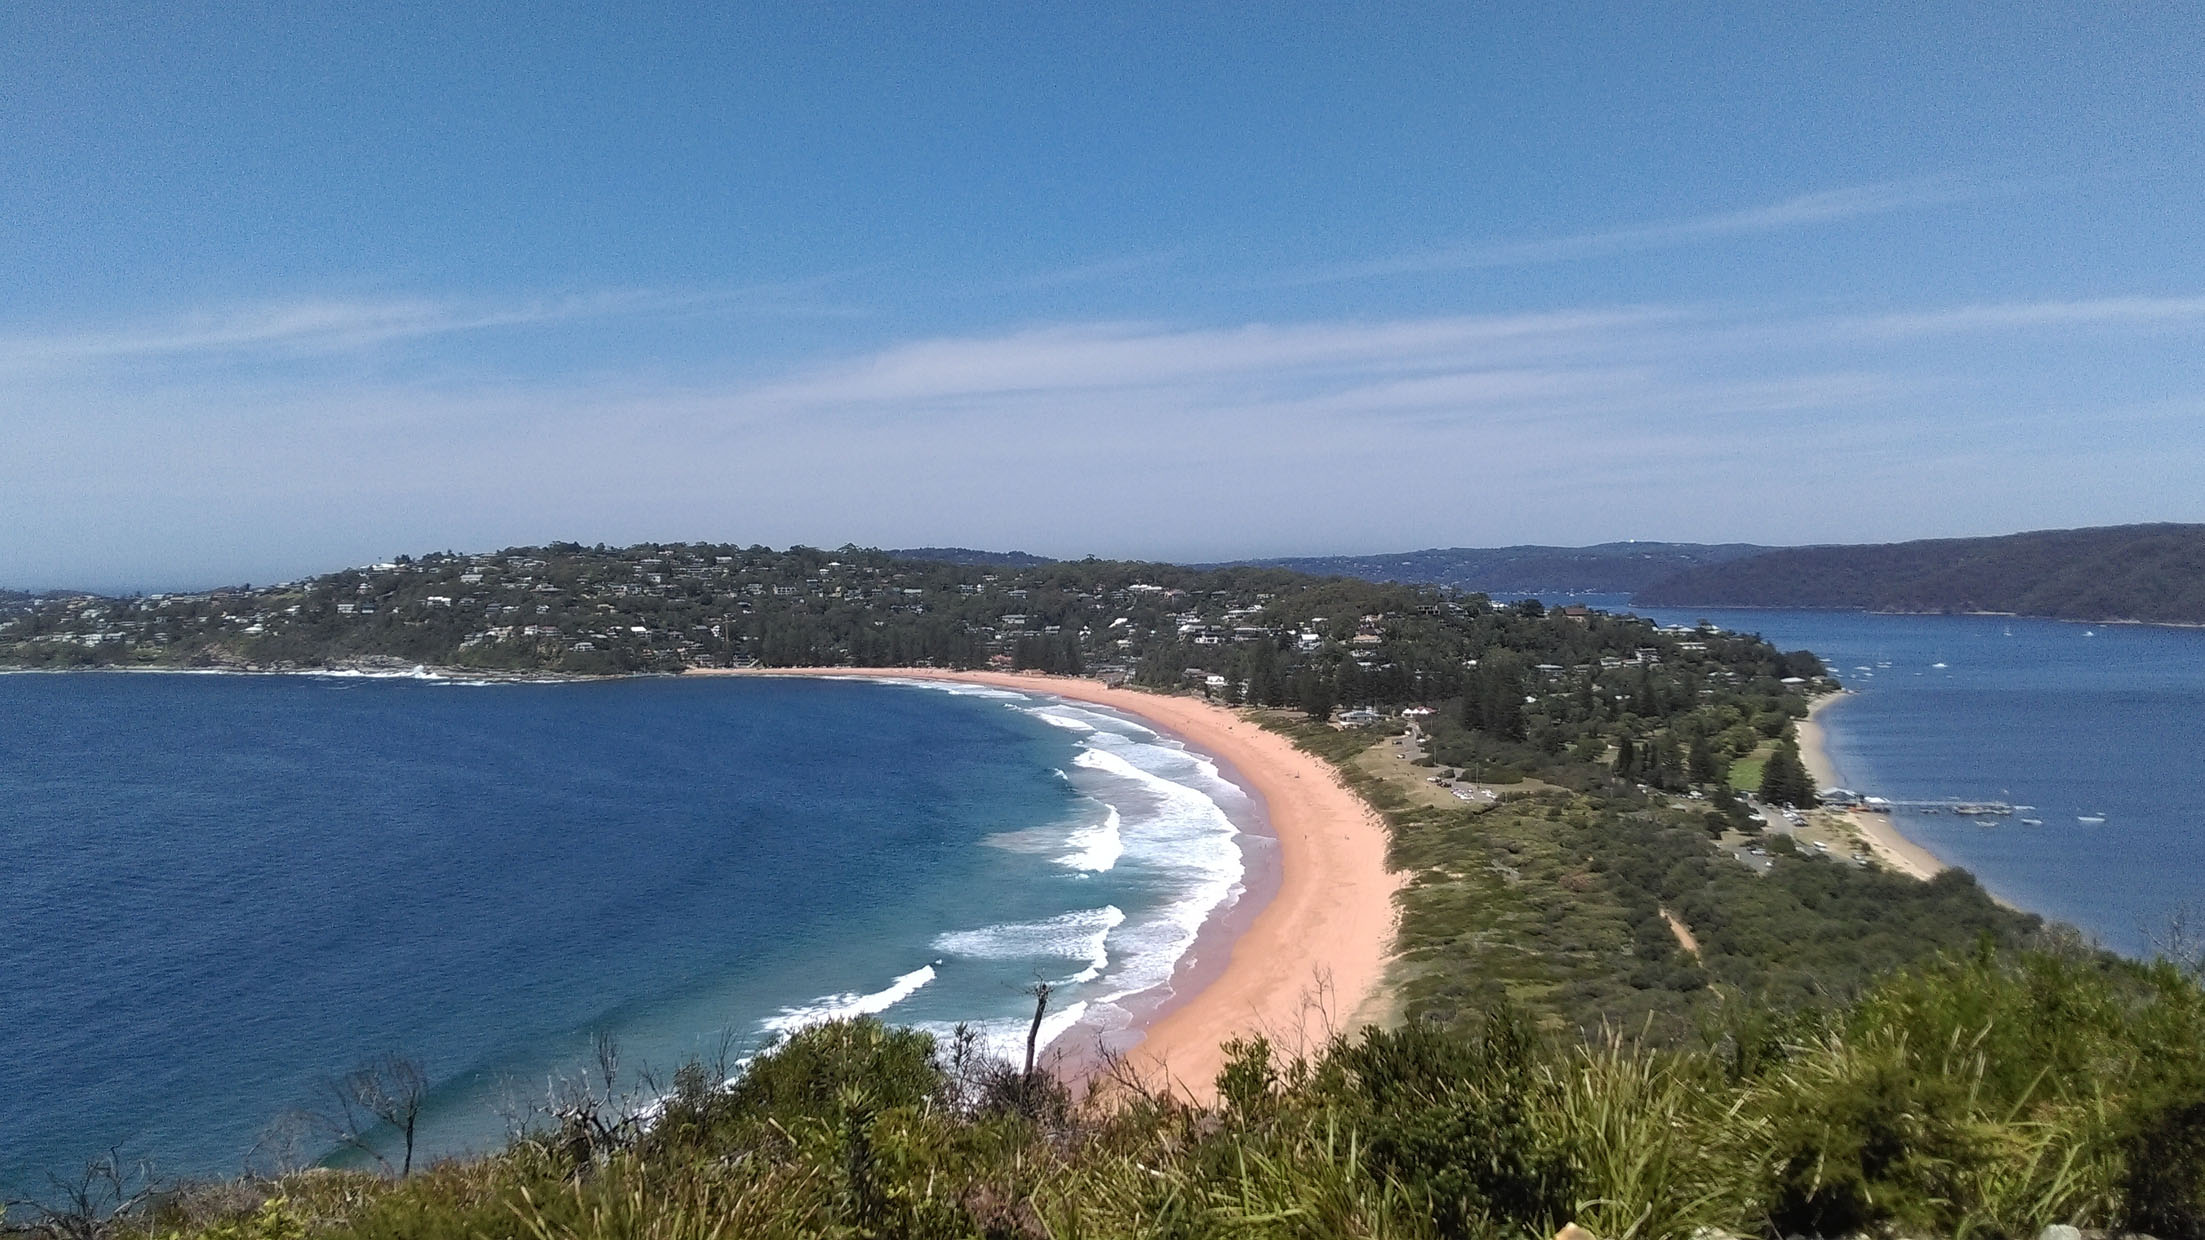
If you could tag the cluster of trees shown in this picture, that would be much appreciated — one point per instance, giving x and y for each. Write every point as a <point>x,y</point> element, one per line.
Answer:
<point>1058,655</point>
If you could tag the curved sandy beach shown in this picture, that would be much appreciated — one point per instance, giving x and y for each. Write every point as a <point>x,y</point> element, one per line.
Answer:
<point>1893,850</point>
<point>1315,955</point>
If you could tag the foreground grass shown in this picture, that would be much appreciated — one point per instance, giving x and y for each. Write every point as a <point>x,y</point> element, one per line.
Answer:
<point>1985,1097</point>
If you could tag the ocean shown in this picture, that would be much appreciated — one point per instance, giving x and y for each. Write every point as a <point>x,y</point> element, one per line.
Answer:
<point>2075,721</point>
<point>219,892</point>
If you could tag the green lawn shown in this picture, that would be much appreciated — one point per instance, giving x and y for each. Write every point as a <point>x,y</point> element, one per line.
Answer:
<point>1745,773</point>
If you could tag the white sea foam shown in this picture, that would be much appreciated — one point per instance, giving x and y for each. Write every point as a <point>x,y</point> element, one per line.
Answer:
<point>1082,934</point>
<point>1186,840</point>
<point>1096,849</point>
<point>417,672</point>
<point>1165,837</point>
<point>844,1006</point>
<point>955,688</point>
<point>1079,716</point>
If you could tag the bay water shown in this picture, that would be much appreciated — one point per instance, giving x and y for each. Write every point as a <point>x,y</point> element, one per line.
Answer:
<point>219,892</point>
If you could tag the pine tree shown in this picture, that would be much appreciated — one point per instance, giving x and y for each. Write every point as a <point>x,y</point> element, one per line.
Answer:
<point>1784,781</point>
<point>1316,696</point>
<point>1700,765</point>
<point>1494,699</point>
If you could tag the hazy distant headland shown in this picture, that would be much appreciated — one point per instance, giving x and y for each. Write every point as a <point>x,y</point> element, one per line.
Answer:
<point>2147,573</point>
<point>1604,568</point>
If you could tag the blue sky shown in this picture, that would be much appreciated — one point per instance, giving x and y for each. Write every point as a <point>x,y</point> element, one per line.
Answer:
<point>288,288</point>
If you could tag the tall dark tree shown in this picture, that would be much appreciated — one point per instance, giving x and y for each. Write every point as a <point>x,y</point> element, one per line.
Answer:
<point>1494,700</point>
<point>1314,689</point>
<point>1700,764</point>
<point>1784,780</point>
<point>1262,673</point>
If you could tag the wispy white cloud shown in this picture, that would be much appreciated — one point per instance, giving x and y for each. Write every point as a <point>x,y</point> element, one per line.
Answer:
<point>1803,211</point>
<point>330,325</point>
<point>1119,437</point>
<point>2027,315</point>
<point>1131,356</point>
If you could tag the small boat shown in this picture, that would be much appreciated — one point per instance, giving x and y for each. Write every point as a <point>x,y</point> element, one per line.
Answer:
<point>2090,820</point>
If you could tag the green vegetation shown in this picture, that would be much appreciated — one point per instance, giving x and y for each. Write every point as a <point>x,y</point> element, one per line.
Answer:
<point>1784,777</point>
<point>1745,773</point>
<point>2152,573</point>
<point>1551,901</point>
<point>1980,1096</point>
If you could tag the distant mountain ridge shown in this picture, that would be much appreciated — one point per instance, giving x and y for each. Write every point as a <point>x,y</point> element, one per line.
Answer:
<point>1604,568</point>
<point>2146,573</point>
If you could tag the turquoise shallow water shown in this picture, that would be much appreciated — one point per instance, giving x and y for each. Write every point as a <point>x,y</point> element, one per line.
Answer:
<point>217,891</point>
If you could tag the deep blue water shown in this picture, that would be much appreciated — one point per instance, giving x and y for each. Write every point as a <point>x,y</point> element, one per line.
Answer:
<point>2076,720</point>
<point>217,891</point>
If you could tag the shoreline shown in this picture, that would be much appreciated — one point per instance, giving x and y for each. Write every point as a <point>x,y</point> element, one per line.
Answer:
<point>1890,847</point>
<point>1305,961</point>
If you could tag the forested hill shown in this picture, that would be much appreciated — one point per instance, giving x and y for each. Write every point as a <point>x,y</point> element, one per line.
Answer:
<point>1539,682</point>
<point>1606,568</point>
<point>970,557</point>
<point>2153,573</point>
